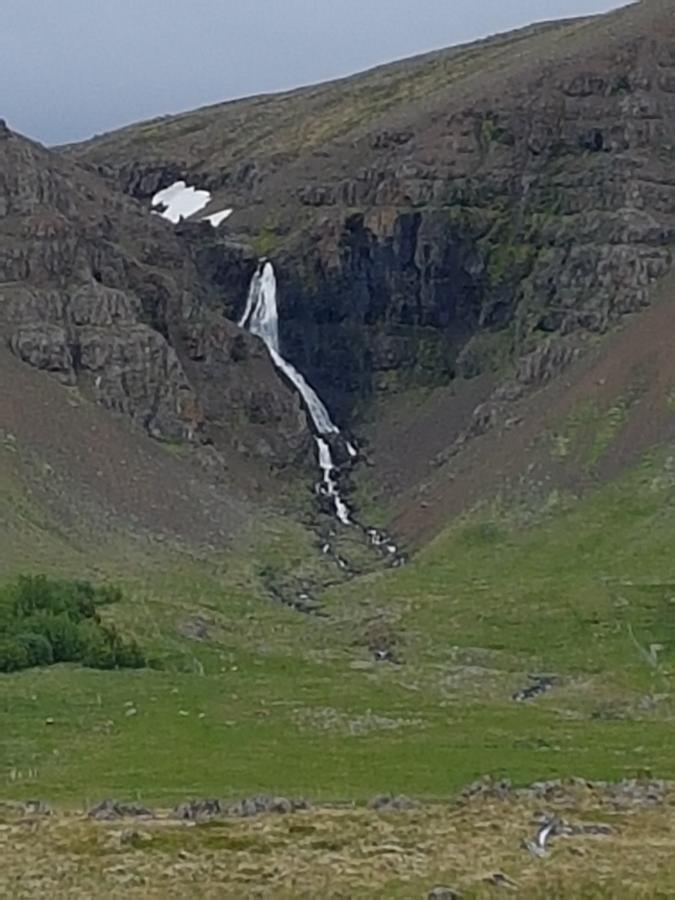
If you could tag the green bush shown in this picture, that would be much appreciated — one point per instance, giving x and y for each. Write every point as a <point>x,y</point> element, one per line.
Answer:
<point>38,648</point>
<point>45,621</point>
<point>13,655</point>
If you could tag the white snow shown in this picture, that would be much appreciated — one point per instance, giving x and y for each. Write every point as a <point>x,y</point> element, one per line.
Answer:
<point>181,201</point>
<point>219,217</point>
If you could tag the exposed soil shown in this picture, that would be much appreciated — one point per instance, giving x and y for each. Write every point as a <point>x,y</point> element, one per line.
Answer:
<point>635,361</point>
<point>92,469</point>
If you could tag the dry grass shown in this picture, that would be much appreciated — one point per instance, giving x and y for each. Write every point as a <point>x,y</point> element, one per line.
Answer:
<point>342,853</point>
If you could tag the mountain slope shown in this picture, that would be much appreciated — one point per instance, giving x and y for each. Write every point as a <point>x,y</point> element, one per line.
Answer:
<point>105,296</point>
<point>466,223</point>
<point>475,260</point>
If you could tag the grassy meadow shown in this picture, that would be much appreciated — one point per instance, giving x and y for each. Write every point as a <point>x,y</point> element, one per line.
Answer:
<point>245,695</point>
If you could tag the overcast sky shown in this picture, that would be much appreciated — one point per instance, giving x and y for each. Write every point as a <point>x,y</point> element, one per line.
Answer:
<point>71,68</point>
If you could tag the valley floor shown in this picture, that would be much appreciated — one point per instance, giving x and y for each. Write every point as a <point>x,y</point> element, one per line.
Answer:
<point>245,695</point>
<point>416,680</point>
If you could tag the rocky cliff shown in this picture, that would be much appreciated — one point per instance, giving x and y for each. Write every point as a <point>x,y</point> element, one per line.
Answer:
<point>106,297</point>
<point>471,210</point>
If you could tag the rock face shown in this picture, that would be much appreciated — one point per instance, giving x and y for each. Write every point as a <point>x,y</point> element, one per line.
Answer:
<point>106,297</point>
<point>450,214</point>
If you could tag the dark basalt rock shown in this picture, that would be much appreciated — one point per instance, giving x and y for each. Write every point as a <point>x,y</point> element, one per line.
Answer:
<point>443,893</point>
<point>106,297</point>
<point>193,810</point>
<point>266,805</point>
<point>391,803</point>
<point>494,225</point>
<point>109,810</point>
<point>625,794</point>
<point>251,806</point>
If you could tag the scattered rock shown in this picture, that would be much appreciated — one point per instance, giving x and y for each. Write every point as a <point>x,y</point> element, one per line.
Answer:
<point>541,685</point>
<point>567,829</point>
<point>37,808</point>
<point>487,789</point>
<point>443,893</point>
<point>192,810</point>
<point>638,792</point>
<point>391,803</point>
<point>198,627</point>
<point>500,880</point>
<point>255,806</point>
<point>633,792</point>
<point>248,807</point>
<point>109,810</point>
<point>130,837</point>
<point>382,640</point>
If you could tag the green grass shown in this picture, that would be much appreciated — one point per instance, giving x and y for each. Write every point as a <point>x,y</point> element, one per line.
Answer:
<point>276,701</point>
<point>589,431</point>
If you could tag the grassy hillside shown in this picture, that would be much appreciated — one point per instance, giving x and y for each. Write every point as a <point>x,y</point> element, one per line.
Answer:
<point>271,700</point>
<point>294,123</point>
<point>532,634</point>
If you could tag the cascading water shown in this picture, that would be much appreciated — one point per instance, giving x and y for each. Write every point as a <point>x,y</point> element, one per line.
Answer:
<point>261,318</point>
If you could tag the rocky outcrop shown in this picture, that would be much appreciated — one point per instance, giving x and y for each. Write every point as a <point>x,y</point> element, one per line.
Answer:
<point>231,372</point>
<point>449,214</point>
<point>108,298</point>
<point>197,810</point>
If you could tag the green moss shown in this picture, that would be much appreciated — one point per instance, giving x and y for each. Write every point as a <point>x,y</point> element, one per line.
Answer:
<point>590,430</point>
<point>607,427</point>
<point>266,242</point>
<point>491,132</point>
<point>509,263</point>
<point>488,131</point>
<point>475,221</point>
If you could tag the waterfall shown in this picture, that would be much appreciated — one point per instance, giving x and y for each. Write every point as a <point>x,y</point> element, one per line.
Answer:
<point>261,318</point>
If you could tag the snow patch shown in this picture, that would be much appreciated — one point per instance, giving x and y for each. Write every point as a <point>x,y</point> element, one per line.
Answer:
<point>218,218</point>
<point>181,201</point>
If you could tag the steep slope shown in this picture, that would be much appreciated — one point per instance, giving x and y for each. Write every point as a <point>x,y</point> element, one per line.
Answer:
<point>76,481</point>
<point>470,221</point>
<point>474,252</point>
<point>100,293</point>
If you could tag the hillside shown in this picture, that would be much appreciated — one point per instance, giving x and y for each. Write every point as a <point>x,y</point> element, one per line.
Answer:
<point>103,295</point>
<point>474,254</point>
<point>476,217</point>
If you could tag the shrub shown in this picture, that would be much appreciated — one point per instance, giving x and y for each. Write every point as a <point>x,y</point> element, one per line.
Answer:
<point>45,621</point>
<point>13,655</point>
<point>38,648</point>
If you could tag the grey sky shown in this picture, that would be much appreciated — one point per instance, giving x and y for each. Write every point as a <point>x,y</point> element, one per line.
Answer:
<point>70,68</point>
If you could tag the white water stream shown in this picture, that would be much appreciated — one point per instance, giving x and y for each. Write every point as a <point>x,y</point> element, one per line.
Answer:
<point>261,318</point>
